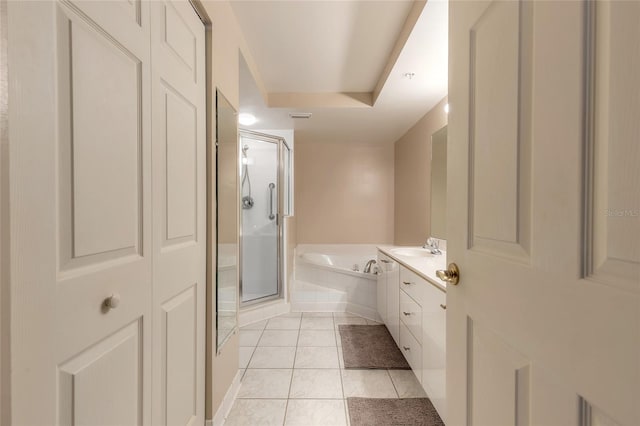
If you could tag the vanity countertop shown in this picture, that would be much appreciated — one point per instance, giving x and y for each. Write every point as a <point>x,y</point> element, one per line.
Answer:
<point>426,267</point>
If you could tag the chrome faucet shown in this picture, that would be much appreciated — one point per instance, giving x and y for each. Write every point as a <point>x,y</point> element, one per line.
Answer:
<point>432,245</point>
<point>367,268</point>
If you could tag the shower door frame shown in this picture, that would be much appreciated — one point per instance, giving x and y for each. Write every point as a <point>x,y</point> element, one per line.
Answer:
<point>279,141</point>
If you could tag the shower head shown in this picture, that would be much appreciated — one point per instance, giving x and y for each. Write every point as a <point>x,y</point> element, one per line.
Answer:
<point>245,148</point>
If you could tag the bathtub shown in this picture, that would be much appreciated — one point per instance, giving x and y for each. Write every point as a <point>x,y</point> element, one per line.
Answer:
<point>325,279</point>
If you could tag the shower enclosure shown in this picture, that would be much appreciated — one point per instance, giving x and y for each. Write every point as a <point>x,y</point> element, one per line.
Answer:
<point>260,278</point>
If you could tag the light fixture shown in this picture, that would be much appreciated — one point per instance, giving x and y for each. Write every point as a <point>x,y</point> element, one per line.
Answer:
<point>246,119</point>
<point>446,108</point>
<point>409,75</point>
<point>300,114</point>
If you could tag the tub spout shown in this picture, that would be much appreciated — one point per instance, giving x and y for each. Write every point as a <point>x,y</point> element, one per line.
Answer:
<point>367,268</point>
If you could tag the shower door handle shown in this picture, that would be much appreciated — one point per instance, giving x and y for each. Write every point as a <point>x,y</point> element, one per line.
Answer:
<point>272,215</point>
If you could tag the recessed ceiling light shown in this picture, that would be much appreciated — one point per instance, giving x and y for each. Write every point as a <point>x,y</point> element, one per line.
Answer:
<point>300,114</point>
<point>446,108</point>
<point>246,119</point>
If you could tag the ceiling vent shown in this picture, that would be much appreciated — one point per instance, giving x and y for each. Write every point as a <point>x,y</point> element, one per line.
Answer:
<point>300,114</point>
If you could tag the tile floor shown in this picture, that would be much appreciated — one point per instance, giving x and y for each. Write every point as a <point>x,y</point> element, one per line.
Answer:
<point>294,373</point>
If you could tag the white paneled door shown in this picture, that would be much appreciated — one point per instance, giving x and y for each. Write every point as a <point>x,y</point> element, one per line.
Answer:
<point>544,203</point>
<point>179,208</point>
<point>107,141</point>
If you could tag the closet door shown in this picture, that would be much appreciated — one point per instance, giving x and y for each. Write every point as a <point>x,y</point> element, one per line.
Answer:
<point>80,156</point>
<point>179,209</point>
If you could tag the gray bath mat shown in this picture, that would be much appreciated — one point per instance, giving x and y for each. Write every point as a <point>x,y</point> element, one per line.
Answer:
<point>370,346</point>
<point>392,412</point>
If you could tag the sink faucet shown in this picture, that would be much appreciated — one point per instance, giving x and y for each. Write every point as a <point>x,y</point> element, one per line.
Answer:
<point>432,245</point>
<point>367,268</point>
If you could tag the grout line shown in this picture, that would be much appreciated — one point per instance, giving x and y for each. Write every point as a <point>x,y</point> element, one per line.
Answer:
<point>295,354</point>
<point>336,334</point>
<point>393,384</point>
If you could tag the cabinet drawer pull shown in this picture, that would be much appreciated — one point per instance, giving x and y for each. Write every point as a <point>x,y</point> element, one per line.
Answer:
<point>385,261</point>
<point>443,306</point>
<point>406,348</point>
<point>407,282</point>
<point>406,313</point>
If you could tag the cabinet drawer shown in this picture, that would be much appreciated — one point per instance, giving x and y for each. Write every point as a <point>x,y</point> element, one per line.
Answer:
<point>411,315</point>
<point>413,284</point>
<point>412,351</point>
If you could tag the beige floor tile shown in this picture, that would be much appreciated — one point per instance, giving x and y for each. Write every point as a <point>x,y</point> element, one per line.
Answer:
<point>268,383</point>
<point>273,357</point>
<point>251,412</point>
<point>255,326</point>
<point>290,315</point>
<point>312,412</point>
<point>406,384</point>
<point>249,337</point>
<point>283,323</point>
<point>316,383</point>
<point>317,323</point>
<point>317,338</point>
<point>317,357</point>
<point>279,338</point>
<point>245,356</point>
<point>368,384</point>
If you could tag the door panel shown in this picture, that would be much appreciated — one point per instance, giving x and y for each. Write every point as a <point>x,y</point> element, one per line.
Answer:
<point>614,173</point>
<point>544,305</point>
<point>180,160</point>
<point>89,391</point>
<point>81,212</point>
<point>500,50</point>
<point>180,349</point>
<point>179,179</point>
<point>100,212</point>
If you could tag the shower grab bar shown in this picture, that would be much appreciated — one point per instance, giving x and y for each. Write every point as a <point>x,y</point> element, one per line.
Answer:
<point>272,186</point>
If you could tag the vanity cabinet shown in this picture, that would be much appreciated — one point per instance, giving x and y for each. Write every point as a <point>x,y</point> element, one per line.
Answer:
<point>389,294</point>
<point>423,334</point>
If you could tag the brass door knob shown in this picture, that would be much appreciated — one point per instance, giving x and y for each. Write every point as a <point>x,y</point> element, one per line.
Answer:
<point>451,275</point>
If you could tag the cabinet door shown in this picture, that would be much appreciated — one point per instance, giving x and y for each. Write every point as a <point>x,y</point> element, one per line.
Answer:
<point>382,286</point>
<point>393,300</point>
<point>434,346</point>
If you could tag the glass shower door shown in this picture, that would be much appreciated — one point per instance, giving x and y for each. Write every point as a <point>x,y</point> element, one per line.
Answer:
<point>260,278</point>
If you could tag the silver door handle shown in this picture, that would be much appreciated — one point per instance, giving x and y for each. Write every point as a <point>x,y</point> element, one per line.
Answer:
<point>272,186</point>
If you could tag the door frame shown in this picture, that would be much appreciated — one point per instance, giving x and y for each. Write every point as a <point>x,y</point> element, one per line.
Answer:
<point>279,141</point>
<point>5,282</point>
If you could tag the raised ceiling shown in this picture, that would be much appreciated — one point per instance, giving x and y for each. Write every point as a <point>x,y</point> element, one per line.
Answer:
<point>344,61</point>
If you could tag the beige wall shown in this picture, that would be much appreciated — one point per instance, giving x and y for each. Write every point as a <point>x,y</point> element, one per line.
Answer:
<point>343,193</point>
<point>413,180</point>
<point>227,44</point>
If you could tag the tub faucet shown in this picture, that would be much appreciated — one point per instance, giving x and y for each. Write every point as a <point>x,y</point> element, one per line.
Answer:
<point>432,245</point>
<point>367,268</point>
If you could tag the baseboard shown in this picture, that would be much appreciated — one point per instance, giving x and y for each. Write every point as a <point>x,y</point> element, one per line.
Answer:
<point>318,307</point>
<point>227,402</point>
<point>363,311</point>
<point>263,311</point>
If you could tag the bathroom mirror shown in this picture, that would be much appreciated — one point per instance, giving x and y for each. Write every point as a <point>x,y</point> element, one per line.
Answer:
<point>227,219</point>
<point>439,184</point>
